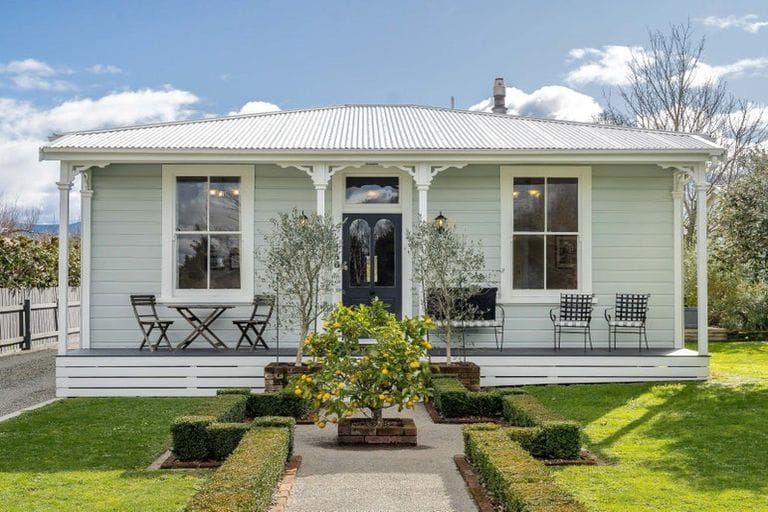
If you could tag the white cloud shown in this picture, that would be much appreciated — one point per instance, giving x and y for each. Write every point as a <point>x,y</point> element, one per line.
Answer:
<point>32,74</point>
<point>610,66</point>
<point>256,107</point>
<point>750,23</point>
<point>24,127</point>
<point>550,101</point>
<point>105,69</point>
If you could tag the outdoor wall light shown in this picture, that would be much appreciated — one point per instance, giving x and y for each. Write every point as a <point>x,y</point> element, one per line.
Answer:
<point>303,219</point>
<point>441,221</point>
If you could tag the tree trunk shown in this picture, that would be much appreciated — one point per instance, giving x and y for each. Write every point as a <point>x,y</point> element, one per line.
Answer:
<point>300,349</point>
<point>448,333</point>
<point>377,416</point>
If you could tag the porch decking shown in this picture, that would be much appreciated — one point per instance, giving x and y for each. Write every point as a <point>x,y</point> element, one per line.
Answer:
<point>200,372</point>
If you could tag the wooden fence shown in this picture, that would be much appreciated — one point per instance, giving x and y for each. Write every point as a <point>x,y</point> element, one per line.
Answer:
<point>29,318</point>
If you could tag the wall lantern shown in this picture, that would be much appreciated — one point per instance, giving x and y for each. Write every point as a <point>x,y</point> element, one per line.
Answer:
<point>441,221</point>
<point>303,219</point>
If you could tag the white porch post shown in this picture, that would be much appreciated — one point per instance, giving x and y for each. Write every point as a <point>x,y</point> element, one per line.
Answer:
<point>86,193</point>
<point>700,178</point>
<point>680,179</point>
<point>65,185</point>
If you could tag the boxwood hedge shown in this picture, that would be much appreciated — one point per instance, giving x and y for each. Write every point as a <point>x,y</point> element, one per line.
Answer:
<point>453,400</point>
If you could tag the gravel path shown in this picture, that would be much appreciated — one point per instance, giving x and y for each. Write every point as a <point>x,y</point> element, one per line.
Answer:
<point>26,378</point>
<point>417,479</point>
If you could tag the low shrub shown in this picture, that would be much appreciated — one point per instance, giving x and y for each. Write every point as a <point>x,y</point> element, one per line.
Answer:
<point>190,437</point>
<point>282,403</point>
<point>247,479</point>
<point>554,440</point>
<point>519,482</point>
<point>278,421</point>
<point>233,391</point>
<point>223,438</point>
<point>454,400</point>
<point>226,408</point>
<point>526,411</point>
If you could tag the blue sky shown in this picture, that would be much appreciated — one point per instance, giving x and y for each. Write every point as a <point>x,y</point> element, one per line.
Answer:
<point>76,65</point>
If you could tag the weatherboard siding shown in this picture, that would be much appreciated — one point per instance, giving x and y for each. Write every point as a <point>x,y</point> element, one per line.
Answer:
<point>631,245</point>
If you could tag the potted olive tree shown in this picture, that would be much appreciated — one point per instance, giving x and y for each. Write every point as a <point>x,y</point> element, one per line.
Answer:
<point>450,270</point>
<point>348,377</point>
<point>300,265</point>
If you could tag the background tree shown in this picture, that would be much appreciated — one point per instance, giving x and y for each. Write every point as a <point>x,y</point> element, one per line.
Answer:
<point>670,89</point>
<point>15,218</point>
<point>301,265</point>
<point>33,262</point>
<point>449,269</point>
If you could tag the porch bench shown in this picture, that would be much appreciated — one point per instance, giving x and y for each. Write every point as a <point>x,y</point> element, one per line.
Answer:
<point>488,315</point>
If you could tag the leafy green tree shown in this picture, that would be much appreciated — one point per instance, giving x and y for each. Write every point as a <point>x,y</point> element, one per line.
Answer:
<point>348,377</point>
<point>301,263</point>
<point>449,269</point>
<point>33,262</point>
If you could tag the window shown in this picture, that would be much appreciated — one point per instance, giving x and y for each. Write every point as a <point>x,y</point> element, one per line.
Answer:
<point>545,228</point>
<point>206,226</point>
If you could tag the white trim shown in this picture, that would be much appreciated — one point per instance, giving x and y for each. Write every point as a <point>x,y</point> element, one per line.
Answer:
<point>404,207</point>
<point>168,292</point>
<point>680,177</point>
<point>700,180</point>
<point>584,271</point>
<point>86,195</point>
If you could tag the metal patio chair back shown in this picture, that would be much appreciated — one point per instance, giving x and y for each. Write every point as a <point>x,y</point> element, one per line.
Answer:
<point>573,315</point>
<point>629,315</point>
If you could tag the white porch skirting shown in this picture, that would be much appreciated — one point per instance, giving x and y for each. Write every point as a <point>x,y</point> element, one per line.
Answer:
<point>127,373</point>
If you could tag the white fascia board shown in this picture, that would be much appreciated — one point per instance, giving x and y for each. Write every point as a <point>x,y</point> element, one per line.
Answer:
<point>432,156</point>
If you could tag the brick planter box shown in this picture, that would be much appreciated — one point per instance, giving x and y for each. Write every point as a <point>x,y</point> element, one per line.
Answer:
<point>394,432</point>
<point>467,373</point>
<point>276,375</point>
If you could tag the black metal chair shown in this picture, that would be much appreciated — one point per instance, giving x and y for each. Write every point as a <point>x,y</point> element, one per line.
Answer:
<point>263,307</point>
<point>573,315</point>
<point>145,311</point>
<point>629,316</point>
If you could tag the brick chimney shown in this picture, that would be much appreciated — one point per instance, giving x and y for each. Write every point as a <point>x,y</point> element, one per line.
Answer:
<point>499,96</point>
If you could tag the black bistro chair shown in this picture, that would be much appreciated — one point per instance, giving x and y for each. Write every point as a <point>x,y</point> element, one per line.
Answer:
<point>629,316</point>
<point>573,315</point>
<point>145,311</point>
<point>263,306</point>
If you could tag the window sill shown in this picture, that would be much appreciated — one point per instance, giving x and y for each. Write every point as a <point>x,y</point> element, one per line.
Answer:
<point>547,299</point>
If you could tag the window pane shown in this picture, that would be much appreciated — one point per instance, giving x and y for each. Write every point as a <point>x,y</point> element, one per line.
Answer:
<point>191,203</point>
<point>372,190</point>
<point>359,253</point>
<point>528,204</point>
<point>528,257</point>
<point>563,204</point>
<point>224,196</point>
<point>562,255</point>
<point>384,252</point>
<point>192,258</point>
<point>225,262</point>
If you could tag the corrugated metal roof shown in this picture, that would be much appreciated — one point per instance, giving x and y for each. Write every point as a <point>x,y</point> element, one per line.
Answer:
<point>378,128</point>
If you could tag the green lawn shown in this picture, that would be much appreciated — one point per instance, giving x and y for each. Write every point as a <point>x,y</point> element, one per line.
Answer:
<point>675,447</point>
<point>88,455</point>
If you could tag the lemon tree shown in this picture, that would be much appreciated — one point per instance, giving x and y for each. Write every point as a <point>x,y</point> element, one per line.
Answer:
<point>347,376</point>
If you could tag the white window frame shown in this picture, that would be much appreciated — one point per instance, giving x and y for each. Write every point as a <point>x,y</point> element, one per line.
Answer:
<point>169,292</point>
<point>584,254</point>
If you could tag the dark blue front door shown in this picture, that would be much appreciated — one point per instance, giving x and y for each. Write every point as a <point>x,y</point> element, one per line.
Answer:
<point>372,248</point>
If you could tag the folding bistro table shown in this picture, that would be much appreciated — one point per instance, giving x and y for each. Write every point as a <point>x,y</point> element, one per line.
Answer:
<point>201,326</point>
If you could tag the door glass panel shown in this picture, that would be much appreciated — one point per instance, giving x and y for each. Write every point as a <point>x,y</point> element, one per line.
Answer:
<point>192,203</point>
<point>384,253</point>
<point>225,261</point>
<point>528,262</point>
<point>359,253</point>
<point>528,204</point>
<point>224,194</point>
<point>192,260</point>
<point>562,253</point>
<point>563,204</point>
<point>372,190</point>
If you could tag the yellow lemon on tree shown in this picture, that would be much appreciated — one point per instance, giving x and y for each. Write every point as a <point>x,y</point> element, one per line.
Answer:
<point>321,424</point>
<point>384,371</point>
<point>415,364</point>
<point>297,391</point>
<point>327,396</point>
<point>409,405</point>
<point>336,325</point>
<point>347,413</point>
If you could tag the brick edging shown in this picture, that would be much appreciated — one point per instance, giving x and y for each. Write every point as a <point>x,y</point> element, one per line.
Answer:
<point>285,486</point>
<point>476,489</point>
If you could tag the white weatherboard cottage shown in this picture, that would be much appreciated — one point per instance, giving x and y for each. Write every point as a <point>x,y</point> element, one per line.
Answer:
<point>557,207</point>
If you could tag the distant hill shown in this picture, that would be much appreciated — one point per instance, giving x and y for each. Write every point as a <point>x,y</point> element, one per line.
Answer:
<point>53,229</point>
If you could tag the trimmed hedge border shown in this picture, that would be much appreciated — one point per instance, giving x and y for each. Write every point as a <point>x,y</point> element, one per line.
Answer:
<point>279,403</point>
<point>190,435</point>
<point>453,400</point>
<point>247,479</point>
<point>545,434</point>
<point>278,421</point>
<point>527,411</point>
<point>519,482</point>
